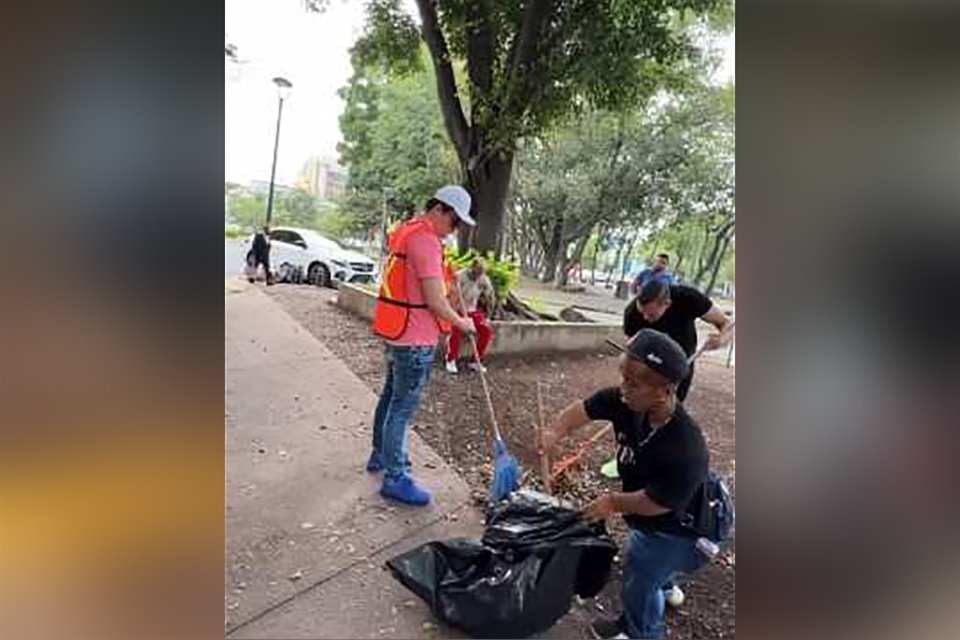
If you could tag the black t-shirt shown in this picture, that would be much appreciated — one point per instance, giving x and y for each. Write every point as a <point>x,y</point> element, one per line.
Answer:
<point>678,321</point>
<point>671,466</point>
<point>261,248</point>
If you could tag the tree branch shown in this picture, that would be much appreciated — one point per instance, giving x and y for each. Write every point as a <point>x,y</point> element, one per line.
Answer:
<point>480,38</point>
<point>523,51</point>
<point>453,117</point>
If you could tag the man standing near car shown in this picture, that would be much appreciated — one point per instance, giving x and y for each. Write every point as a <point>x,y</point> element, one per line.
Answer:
<point>412,311</point>
<point>260,253</point>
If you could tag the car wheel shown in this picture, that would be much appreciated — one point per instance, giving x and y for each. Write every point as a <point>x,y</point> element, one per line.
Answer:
<point>318,275</point>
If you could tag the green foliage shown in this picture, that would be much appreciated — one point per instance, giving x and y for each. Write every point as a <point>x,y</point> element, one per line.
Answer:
<point>336,223</point>
<point>392,39</point>
<point>611,53</point>
<point>249,209</point>
<point>296,209</point>
<point>530,65</point>
<point>536,304</point>
<point>504,275</point>
<point>393,140</point>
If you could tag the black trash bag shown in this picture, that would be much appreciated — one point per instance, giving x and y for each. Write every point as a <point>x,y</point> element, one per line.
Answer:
<point>519,580</point>
<point>529,520</point>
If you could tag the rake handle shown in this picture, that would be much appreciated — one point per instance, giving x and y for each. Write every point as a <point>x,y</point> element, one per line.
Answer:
<point>699,352</point>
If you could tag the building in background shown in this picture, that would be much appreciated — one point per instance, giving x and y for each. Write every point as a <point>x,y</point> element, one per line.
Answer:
<point>322,178</point>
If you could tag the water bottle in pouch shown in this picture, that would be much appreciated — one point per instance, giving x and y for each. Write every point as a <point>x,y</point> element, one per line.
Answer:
<point>708,547</point>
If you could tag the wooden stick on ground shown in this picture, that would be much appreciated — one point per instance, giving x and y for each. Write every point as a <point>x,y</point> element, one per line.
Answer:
<point>544,460</point>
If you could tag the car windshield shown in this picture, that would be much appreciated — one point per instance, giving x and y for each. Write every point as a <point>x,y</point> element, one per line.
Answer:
<point>321,241</point>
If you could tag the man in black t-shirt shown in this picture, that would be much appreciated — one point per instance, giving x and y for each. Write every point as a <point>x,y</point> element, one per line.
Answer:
<point>673,310</point>
<point>662,459</point>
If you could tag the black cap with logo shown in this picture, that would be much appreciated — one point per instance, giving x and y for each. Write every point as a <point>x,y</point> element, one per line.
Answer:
<point>658,351</point>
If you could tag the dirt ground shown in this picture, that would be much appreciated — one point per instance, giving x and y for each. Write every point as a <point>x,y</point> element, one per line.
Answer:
<point>454,421</point>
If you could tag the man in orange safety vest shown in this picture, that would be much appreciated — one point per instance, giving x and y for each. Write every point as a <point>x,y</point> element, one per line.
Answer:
<point>412,311</point>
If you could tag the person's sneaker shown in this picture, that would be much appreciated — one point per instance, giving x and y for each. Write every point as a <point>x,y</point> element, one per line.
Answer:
<point>375,463</point>
<point>607,629</point>
<point>674,596</point>
<point>477,367</point>
<point>452,366</point>
<point>405,490</point>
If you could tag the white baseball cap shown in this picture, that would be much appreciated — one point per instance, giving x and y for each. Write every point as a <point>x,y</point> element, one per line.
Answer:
<point>457,198</point>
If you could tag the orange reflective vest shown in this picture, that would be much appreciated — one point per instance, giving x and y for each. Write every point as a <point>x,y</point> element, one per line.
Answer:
<point>392,311</point>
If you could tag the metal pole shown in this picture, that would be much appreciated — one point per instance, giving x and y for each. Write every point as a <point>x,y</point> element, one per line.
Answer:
<point>273,170</point>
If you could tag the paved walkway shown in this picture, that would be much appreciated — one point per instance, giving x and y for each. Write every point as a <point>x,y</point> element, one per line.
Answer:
<point>306,532</point>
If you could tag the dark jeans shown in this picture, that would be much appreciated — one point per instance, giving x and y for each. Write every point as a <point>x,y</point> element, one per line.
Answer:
<point>651,562</point>
<point>408,369</point>
<point>265,261</point>
<point>255,259</point>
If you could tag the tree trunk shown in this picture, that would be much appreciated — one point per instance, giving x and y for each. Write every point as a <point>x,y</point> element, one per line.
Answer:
<point>551,257</point>
<point>516,306</point>
<point>704,260</point>
<point>569,263</point>
<point>489,183</point>
<point>716,266</point>
<point>720,239</point>
<point>616,261</point>
<point>596,256</point>
<point>626,258</point>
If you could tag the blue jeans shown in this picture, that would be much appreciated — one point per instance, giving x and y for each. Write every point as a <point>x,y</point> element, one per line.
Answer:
<point>652,560</point>
<point>408,369</point>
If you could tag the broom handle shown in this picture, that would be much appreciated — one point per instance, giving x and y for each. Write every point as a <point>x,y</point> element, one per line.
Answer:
<point>476,357</point>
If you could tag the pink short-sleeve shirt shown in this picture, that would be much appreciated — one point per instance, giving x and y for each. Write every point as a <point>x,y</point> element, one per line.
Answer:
<point>424,260</point>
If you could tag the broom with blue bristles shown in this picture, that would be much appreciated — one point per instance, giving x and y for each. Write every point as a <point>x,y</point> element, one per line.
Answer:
<point>506,470</point>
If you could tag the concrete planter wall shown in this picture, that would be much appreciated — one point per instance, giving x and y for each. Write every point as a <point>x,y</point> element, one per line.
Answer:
<point>524,337</point>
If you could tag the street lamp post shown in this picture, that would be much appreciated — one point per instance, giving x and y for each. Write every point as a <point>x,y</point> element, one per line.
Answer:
<point>283,91</point>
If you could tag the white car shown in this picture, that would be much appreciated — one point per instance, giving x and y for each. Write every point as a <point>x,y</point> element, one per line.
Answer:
<point>323,260</point>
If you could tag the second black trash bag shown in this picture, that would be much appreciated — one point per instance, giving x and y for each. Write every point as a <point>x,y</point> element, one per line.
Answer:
<point>519,580</point>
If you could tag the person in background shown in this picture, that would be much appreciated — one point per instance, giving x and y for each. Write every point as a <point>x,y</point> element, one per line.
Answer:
<point>260,254</point>
<point>411,312</point>
<point>657,272</point>
<point>674,309</point>
<point>478,296</point>
<point>663,463</point>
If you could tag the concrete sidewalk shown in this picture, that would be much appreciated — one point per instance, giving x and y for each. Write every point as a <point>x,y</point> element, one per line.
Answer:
<point>307,534</point>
